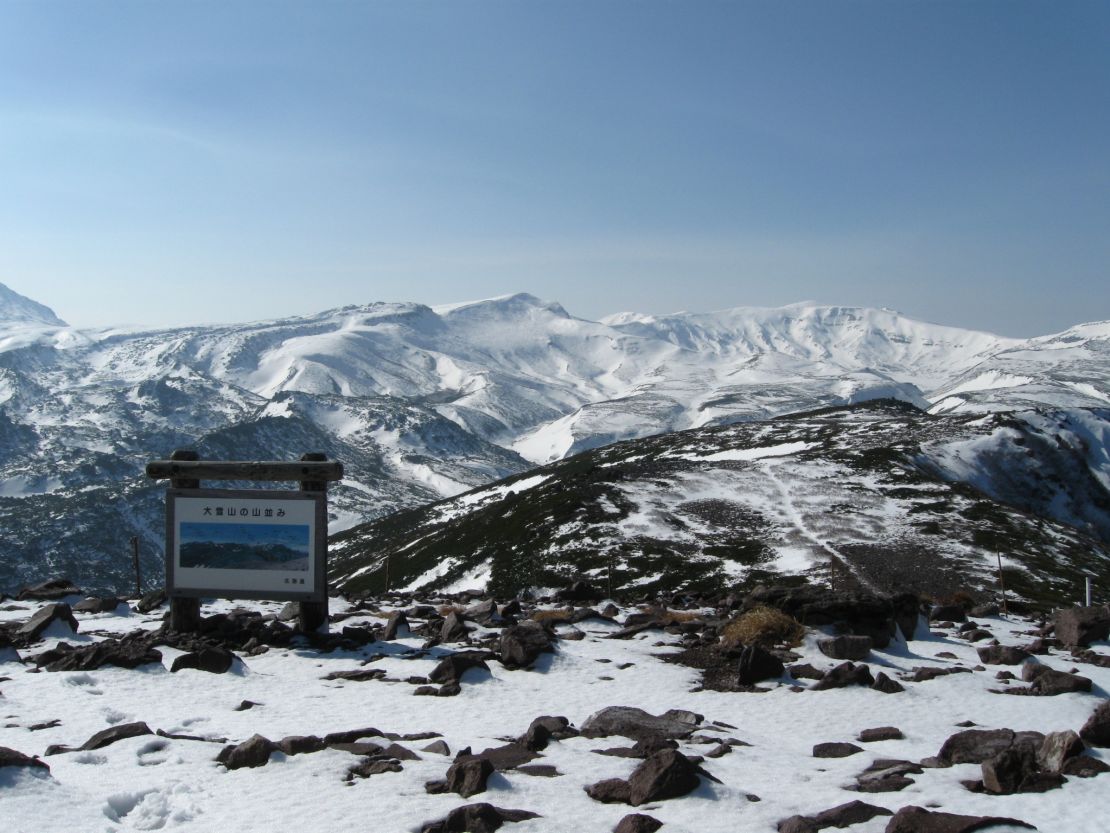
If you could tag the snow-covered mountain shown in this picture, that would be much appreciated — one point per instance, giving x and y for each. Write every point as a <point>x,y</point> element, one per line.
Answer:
<point>422,403</point>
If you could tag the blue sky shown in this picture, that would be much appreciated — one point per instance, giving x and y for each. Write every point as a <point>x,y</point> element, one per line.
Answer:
<point>166,164</point>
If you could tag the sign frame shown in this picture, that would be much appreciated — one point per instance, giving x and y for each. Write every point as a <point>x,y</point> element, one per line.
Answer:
<point>179,585</point>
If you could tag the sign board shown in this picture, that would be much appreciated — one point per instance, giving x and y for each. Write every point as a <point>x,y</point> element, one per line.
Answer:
<point>246,544</point>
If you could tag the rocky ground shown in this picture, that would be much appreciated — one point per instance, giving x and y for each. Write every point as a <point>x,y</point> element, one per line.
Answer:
<point>565,713</point>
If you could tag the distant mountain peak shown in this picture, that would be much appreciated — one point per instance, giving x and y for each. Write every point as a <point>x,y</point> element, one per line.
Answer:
<point>18,309</point>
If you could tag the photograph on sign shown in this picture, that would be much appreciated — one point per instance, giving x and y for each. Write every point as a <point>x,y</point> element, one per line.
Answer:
<point>246,543</point>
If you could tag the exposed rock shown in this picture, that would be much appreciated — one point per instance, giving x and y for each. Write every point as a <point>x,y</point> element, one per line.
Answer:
<point>129,652</point>
<point>631,722</point>
<point>453,666</point>
<point>579,591</point>
<point>887,775</point>
<point>212,660</point>
<point>974,746</point>
<point>757,664</point>
<point>477,818</point>
<point>373,766</point>
<point>919,820</point>
<point>1051,682</point>
<point>798,824</point>
<point>1002,655</point>
<point>1080,626</point>
<point>835,750</point>
<point>845,674</point>
<point>112,734</point>
<point>466,776</point>
<point>509,756</point>
<point>845,646</point>
<point>804,671</point>
<point>253,752</point>
<point>543,729</point>
<point>151,601</point>
<point>49,591</point>
<point>880,733</point>
<point>1057,748</point>
<point>1096,731</point>
<point>453,629</point>
<point>301,744</point>
<point>947,613</point>
<point>922,674</point>
<point>393,625</point>
<point>522,644</point>
<point>32,629</point>
<point>665,774</point>
<point>886,685</point>
<point>610,791</point>
<point>10,757</point>
<point>95,604</point>
<point>1014,770</point>
<point>437,747</point>
<point>845,815</point>
<point>1084,766</point>
<point>351,735</point>
<point>637,823</point>
<point>853,613</point>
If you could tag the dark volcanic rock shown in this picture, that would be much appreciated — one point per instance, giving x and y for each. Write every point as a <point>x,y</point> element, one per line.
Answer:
<point>151,601</point>
<point>845,674</point>
<point>47,615</point>
<point>637,823</point>
<point>301,744</point>
<point>1082,625</point>
<point>1057,748</point>
<point>466,776</point>
<point>757,664</point>
<point>522,644</point>
<point>631,722</point>
<point>132,651</point>
<point>1015,771</point>
<point>886,685</point>
<point>49,591</point>
<point>253,752</point>
<point>919,820</point>
<point>94,604</point>
<point>886,775</point>
<point>393,625</point>
<point>1051,682</point>
<point>1002,655</point>
<point>1096,731</point>
<point>880,733</point>
<point>835,750</point>
<point>10,757</point>
<point>665,774</point>
<point>610,791</point>
<point>1084,766</point>
<point>579,591</point>
<point>947,613</point>
<point>453,629</point>
<point>853,613</point>
<point>452,667</point>
<point>845,646</point>
<point>974,746</point>
<point>113,734</point>
<point>845,815</point>
<point>477,818</point>
<point>212,660</point>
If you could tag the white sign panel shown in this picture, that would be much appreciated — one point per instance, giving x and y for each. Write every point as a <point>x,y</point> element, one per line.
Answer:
<point>246,544</point>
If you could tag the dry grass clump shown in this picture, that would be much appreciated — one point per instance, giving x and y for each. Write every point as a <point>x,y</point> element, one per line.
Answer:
<point>555,615</point>
<point>674,616</point>
<point>763,626</point>
<point>447,610</point>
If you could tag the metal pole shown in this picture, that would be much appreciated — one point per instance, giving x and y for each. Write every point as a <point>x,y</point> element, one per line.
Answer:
<point>1088,591</point>
<point>135,560</point>
<point>1001,583</point>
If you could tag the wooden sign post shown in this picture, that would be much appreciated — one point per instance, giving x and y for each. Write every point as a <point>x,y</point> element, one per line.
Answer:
<point>247,544</point>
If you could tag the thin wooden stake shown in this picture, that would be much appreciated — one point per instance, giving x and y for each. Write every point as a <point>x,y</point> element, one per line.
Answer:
<point>1001,583</point>
<point>135,560</point>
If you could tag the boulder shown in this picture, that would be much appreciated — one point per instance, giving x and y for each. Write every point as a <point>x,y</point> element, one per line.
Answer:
<point>665,774</point>
<point>543,729</point>
<point>151,601</point>
<point>1002,655</point>
<point>1051,682</point>
<point>835,750</point>
<point>453,628</point>
<point>757,664</point>
<point>112,734</point>
<point>974,746</point>
<point>300,744</point>
<point>1057,748</point>
<point>849,612</point>
<point>1015,770</point>
<point>1096,731</point>
<point>129,652</point>
<point>253,752</point>
<point>466,776</point>
<point>98,604</point>
<point>1084,766</point>
<point>212,660</point>
<point>947,613</point>
<point>845,815</point>
<point>610,791</point>
<point>579,591</point>
<point>634,723</point>
<point>885,775</point>
<point>845,674</point>
<point>845,646</point>
<point>886,685</point>
<point>49,591</point>
<point>452,667</point>
<point>880,733</point>
<point>12,758</point>
<point>1080,626</point>
<point>47,615</point>
<point>477,818</point>
<point>522,644</point>
<point>919,820</point>
<point>637,823</point>
<point>396,625</point>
